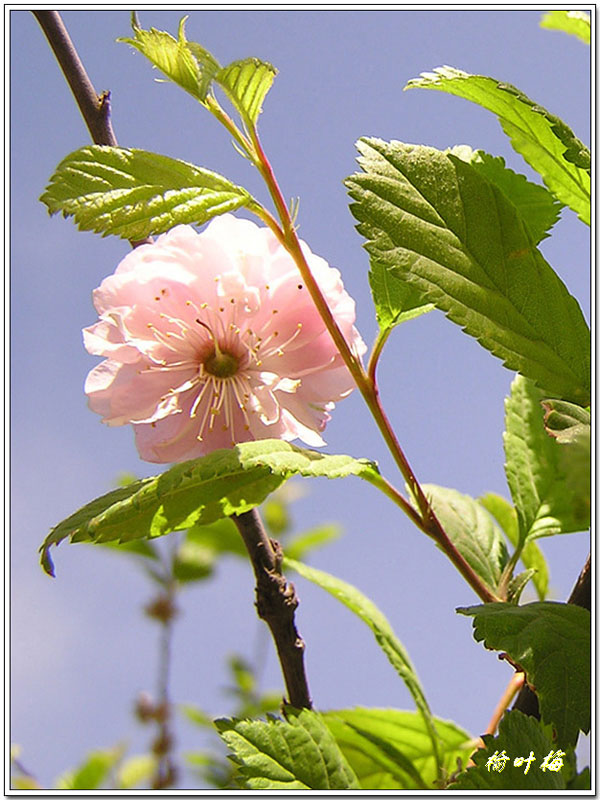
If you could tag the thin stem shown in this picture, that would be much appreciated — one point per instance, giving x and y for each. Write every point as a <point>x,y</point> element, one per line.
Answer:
<point>382,338</point>
<point>508,571</point>
<point>276,603</point>
<point>365,382</point>
<point>515,684</point>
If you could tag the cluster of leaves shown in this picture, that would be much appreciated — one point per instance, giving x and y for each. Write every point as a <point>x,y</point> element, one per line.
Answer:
<point>455,230</point>
<point>133,193</point>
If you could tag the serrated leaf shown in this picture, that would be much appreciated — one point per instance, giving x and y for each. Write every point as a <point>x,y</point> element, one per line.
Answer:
<point>370,738</point>
<point>200,491</point>
<point>297,754</point>
<point>538,208</point>
<point>551,642</point>
<point>545,142</point>
<point>134,193</point>
<point>550,492</point>
<point>185,63</point>
<point>471,530</point>
<point>385,637</point>
<point>246,83</point>
<point>577,23</point>
<point>395,301</point>
<point>495,769</point>
<point>432,219</point>
<point>531,555</point>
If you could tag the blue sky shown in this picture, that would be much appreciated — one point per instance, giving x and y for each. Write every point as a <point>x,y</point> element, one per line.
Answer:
<point>81,647</point>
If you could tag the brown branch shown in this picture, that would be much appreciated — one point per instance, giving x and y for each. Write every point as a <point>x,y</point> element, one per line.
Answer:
<point>95,108</point>
<point>276,603</point>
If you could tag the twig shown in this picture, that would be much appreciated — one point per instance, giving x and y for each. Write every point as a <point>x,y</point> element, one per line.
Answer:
<point>94,108</point>
<point>276,603</point>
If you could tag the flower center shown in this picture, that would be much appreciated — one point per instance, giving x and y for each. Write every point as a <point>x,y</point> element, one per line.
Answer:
<point>221,364</point>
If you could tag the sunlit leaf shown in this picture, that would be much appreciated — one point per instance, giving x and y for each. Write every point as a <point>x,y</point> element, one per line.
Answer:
<point>441,226</point>
<point>577,23</point>
<point>548,145</point>
<point>370,739</point>
<point>186,64</point>
<point>294,754</point>
<point>134,193</point>
<point>200,491</point>
<point>246,83</point>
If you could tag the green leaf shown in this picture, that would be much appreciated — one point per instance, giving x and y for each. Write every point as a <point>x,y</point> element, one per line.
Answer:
<point>220,536</point>
<point>574,22</point>
<point>93,772</point>
<point>297,754</point>
<point>385,637</point>
<point>200,491</point>
<point>531,555</point>
<point>516,585</point>
<point>301,545</point>
<point>136,770</point>
<point>185,63</point>
<point>471,530</point>
<point>440,225</point>
<point>371,738</point>
<point>567,423</point>
<point>495,768</point>
<point>551,642</point>
<point>538,208</point>
<point>134,193</point>
<point>581,781</point>
<point>193,561</point>
<point>550,489</point>
<point>395,301</point>
<point>544,141</point>
<point>246,83</point>
<point>136,548</point>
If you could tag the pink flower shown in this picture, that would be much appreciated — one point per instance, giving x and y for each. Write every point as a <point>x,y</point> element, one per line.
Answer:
<point>211,339</point>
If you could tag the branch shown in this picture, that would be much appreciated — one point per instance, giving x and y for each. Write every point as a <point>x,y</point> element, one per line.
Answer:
<point>95,109</point>
<point>276,603</point>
